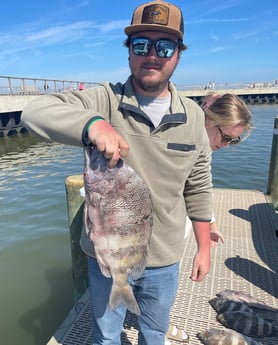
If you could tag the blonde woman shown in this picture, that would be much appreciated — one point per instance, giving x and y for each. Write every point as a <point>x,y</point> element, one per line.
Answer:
<point>228,121</point>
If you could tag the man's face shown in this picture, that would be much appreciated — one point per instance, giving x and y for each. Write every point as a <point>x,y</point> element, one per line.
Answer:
<point>152,72</point>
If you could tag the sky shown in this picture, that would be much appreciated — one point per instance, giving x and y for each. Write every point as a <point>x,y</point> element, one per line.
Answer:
<point>229,41</point>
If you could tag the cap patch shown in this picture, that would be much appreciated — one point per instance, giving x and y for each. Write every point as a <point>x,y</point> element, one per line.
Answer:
<point>155,14</point>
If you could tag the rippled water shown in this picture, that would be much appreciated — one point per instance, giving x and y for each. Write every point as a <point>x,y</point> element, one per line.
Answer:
<point>246,166</point>
<point>35,259</point>
<point>36,288</point>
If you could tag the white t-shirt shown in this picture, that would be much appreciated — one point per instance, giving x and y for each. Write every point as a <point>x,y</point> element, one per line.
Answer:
<point>154,107</point>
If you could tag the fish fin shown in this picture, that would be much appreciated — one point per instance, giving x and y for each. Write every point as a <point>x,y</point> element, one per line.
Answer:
<point>123,295</point>
<point>138,270</point>
<point>262,307</point>
<point>87,224</point>
<point>104,268</point>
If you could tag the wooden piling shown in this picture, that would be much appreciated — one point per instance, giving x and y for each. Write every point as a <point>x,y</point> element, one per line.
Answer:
<point>75,203</point>
<point>272,187</point>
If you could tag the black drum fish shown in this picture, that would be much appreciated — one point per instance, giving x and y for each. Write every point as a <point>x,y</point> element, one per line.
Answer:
<point>118,219</point>
<point>250,324</point>
<point>251,301</point>
<point>221,305</point>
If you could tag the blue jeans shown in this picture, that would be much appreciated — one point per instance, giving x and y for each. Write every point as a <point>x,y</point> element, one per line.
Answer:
<point>155,293</point>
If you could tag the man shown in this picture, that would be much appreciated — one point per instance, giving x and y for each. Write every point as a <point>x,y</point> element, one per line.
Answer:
<point>163,137</point>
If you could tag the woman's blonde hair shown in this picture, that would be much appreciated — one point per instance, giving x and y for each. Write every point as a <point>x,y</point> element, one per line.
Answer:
<point>227,110</point>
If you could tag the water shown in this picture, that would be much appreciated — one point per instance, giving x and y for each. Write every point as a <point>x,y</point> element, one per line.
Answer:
<point>246,166</point>
<point>36,290</point>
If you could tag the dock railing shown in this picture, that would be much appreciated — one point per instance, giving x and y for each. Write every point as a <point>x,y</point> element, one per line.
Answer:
<point>34,86</point>
<point>228,86</point>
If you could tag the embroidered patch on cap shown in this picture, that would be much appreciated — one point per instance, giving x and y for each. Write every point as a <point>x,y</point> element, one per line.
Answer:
<point>155,14</point>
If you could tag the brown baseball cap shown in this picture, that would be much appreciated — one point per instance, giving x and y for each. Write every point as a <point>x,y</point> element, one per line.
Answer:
<point>157,16</point>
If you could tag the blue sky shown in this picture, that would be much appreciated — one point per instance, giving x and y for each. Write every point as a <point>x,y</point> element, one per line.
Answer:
<point>229,41</point>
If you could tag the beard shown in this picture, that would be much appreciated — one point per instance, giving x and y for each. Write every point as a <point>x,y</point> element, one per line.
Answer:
<point>150,82</point>
<point>149,85</point>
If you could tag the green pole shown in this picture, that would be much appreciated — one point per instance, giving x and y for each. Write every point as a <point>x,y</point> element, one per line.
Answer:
<point>272,188</point>
<point>75,203</point>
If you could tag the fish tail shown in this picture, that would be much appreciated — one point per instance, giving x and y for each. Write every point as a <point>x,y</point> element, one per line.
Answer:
<point>120,295</point>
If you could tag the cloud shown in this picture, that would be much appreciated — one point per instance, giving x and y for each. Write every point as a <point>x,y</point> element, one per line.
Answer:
<point>216,20</point>
<point>216,6</point>
<point>27,37</point>
<point>214,37</point>
<point>113,25</point>
<point>59,33</point>
<point>216,49</point>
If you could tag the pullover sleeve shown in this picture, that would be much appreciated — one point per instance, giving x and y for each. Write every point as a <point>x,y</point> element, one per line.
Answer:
<point>198,185</point>
<point>198,188</point>
<point>63,117</point>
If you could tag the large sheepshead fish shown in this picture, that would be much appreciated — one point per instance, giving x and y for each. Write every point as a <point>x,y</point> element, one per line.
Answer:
<point>118,220</point>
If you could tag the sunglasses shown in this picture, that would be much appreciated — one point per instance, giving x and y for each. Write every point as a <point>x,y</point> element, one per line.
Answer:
<point>165,48</point>
<point>226,139</point>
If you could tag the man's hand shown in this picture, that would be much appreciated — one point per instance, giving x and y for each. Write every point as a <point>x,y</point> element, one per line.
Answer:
<point>109,141</point>
<point>215,235</point>
<point>98,161</point>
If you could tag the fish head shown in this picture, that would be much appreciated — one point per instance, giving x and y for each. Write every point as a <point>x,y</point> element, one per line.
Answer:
<point>230,317</point>
<point>217,303</point>
<point>213,302</point>
<point>98,179</point>
<point>210,336</point>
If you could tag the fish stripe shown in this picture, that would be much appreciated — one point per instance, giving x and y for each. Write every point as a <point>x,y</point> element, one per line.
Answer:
<point>247,328</point>
<point>263,328</point>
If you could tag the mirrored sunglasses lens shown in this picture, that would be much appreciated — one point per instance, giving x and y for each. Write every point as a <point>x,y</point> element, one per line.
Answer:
<point>235,141</point>
<point>141,46</point>
<point>165,48</point>
<point>225,139</point>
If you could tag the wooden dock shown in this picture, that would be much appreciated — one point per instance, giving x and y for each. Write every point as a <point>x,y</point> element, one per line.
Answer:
<point>248,261</point>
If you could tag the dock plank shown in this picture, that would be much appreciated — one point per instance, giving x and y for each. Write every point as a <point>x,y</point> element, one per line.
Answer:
<point>247,261</point>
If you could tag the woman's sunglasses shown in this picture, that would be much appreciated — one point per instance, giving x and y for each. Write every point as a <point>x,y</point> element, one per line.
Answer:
<point>165,48</point>
<point>226,139</point>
